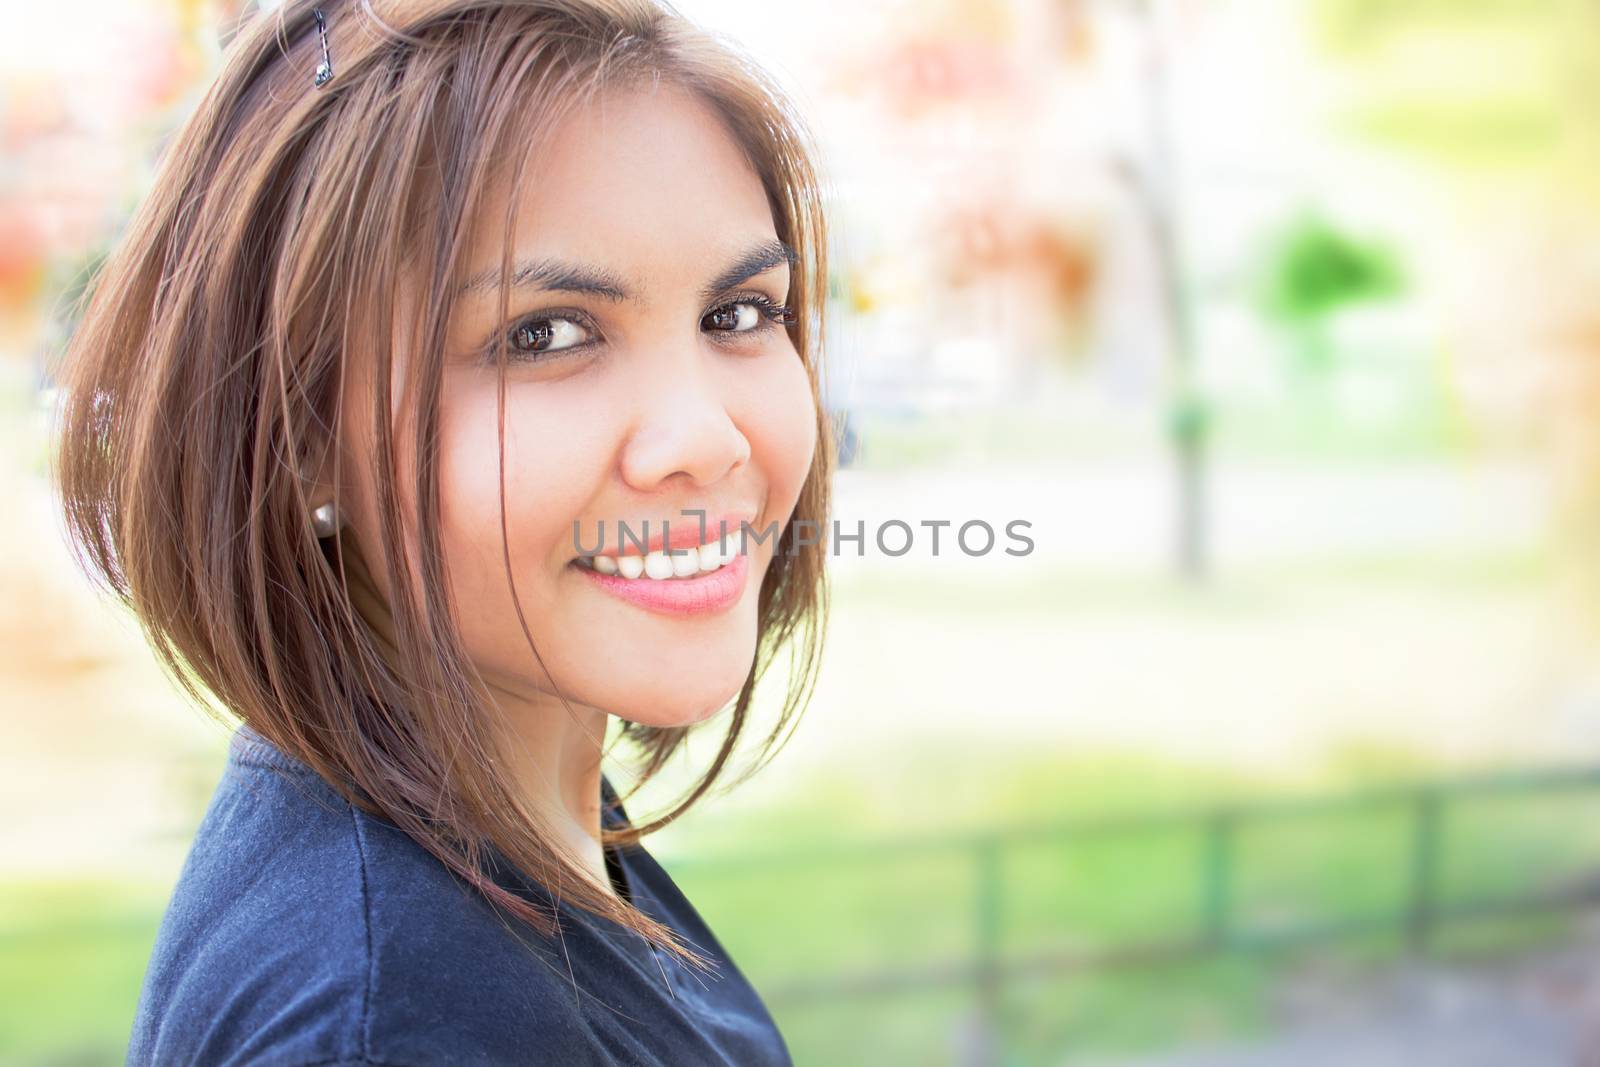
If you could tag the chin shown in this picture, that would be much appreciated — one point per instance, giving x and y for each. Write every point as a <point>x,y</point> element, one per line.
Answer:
<point>681,709</point>
<point>663,688</point>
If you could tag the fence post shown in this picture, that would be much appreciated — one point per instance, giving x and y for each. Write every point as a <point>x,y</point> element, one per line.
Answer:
<point>984,1041</point>
<point>1425,847</point>
<point>1217,879</point>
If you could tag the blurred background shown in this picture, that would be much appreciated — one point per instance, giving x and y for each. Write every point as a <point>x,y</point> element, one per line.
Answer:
<point>1275,319</point>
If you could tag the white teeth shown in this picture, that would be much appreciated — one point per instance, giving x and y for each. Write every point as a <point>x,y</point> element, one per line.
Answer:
<point>682,563</point>
<point>712,556</point>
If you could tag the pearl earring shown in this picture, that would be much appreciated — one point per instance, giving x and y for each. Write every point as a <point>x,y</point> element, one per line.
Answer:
<point>324,520</point>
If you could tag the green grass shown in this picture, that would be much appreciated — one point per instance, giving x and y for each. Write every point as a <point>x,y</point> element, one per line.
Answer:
<point>1094,892</point>
<point>73,954</point>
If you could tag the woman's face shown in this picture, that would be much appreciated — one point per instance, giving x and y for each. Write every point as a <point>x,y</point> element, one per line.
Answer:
<point>648,375</point>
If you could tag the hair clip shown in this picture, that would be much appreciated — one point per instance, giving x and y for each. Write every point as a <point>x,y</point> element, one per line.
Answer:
<point>325,68</point>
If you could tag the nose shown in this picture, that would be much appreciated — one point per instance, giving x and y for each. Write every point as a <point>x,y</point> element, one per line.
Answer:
<point>683,426</point>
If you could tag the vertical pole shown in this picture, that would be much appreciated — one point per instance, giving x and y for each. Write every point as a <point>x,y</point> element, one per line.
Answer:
<point>986,1038</point>
<point>1217,880</point>
<point>1426,842</point>
<point>1187,424</point>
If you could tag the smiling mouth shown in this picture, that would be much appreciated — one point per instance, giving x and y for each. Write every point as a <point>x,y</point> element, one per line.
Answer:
<point>682,564</point>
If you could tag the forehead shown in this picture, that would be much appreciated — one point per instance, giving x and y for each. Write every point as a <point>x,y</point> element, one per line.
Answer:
<point>648,182</point>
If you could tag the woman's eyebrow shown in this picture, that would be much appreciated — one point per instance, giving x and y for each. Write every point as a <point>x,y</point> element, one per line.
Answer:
<point>561,276</point>
<point>551,274</point>
<point>757,260</point>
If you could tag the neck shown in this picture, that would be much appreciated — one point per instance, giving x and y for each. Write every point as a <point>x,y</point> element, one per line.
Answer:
<point>554,753</point>
<point>554,758</point>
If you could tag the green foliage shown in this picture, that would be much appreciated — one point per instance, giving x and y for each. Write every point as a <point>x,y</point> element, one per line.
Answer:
<point>1350,25</point>
<point>1462,133</point>
<point>1315,270</point>
<point>1466,85</point>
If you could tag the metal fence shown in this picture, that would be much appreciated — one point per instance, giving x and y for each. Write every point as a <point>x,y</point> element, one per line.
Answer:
<point>1221,928</point>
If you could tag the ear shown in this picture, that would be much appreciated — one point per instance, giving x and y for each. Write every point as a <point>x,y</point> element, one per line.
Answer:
<point>317,464</point>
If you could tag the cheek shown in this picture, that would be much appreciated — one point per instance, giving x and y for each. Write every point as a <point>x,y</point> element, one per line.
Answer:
<point>779,418</point>
<point>554,454</point>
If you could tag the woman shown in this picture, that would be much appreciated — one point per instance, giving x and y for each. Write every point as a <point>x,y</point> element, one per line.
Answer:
<point>438,313</point>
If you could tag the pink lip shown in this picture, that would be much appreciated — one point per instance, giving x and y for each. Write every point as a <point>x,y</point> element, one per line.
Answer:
<point>685,531</point>
<point>706,594</point>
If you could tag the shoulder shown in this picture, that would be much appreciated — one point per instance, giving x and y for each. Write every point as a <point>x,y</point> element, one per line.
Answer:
<point>303,931</point>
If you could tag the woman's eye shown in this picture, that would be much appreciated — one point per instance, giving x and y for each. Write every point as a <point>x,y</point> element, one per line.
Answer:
<point>744,316</point>
<point>733,318</point>
<point>550,334</point>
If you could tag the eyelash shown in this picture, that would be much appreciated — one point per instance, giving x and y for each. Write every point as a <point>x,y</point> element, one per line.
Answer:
<point>772,314</point>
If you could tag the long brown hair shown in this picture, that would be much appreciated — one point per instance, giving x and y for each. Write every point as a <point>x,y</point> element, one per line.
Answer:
<point>205,378</point>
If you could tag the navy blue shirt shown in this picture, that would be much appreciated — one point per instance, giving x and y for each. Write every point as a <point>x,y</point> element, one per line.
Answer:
<point>304,931</point>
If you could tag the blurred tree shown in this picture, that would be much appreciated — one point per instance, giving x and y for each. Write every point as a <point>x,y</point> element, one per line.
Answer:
<point>1501,99</point>
<point>1313,272</point>
<point>1472,85</point>
<point>1356,24</point>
